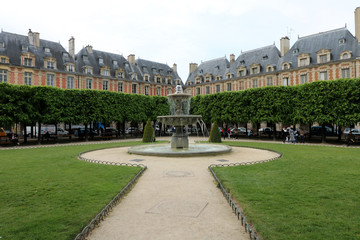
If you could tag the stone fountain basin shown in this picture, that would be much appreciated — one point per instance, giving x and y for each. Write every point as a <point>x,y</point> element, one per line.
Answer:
<point>179,120</point>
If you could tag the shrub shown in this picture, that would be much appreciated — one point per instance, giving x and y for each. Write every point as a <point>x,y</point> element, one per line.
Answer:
<point>215,136</point>
<point>148,132</point>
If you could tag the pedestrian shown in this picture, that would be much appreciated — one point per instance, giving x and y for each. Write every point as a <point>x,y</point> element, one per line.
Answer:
<point>292,134</point>
<point>14,139</point>
<point>236,132</point>
<point>284,134</point>
<point>223,132</point>
<point>302,136</point>
<point>350,139</point>
<point>228,132</point>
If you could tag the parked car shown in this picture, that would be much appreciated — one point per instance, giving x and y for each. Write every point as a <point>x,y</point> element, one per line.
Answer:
<point>354,131</point>
<point>110,131</point>
<point>266,131</point>
<point>133,131</point>
<point>242,131</point>
<point>81,132</point>
<point>316,130</point>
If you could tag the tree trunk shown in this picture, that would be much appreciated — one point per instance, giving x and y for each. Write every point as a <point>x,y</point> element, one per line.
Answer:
<point>323,133</point>
<point>39,132</point>
<point>86,132</point>
<point>25,133</point>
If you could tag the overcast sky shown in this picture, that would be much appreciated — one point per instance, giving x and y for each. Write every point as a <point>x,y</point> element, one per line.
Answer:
<point>176,31</point>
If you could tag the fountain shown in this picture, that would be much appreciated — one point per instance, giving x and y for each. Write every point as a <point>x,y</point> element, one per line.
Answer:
<point>179,109</point>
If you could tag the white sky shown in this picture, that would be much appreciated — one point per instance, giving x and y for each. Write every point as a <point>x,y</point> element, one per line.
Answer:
<point>176,31</point>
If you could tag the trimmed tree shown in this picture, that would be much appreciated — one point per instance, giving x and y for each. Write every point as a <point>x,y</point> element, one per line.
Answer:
<point>215,134</point>
<point>148,132</point>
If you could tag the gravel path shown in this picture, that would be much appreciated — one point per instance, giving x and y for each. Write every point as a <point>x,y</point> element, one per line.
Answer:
<point>176,198</point>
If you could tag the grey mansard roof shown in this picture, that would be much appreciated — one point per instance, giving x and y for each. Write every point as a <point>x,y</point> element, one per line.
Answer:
<point>264,56</point>
<point>215,67</point>
<point>13,49</point>
<point>326,40</point>
<point>153,68</point>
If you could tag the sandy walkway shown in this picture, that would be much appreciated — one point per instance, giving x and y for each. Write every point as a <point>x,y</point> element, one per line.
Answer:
<point>176,198</point>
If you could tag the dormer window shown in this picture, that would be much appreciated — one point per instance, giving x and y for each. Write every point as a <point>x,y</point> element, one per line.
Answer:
<point>65,55</point>
<point>134,76</point>
<point>115,62</point>
<point>345,55</point>
<point>146,78</point>
<point>120,75</point>
<point>342,41</point>
<point>286,66</point>
<point>88,70</point>
<point>85,58</point>
<point>3,60</point>
<point>169,81</point>
<point>255,68</point>
<point>323,56</point>
<point>2,44</point>
<point>70,67</point>
<point>296,51</point>
<point>105,72</point>
<point>25,48</point>
<point>47,50</point>
<point>265,57</point>
<point>242,62</point>
<point>229,75</point>
<point>50,63</point>
<point>303,59</point>
<point>101,61</point>
<point>269,68</point>
<point>28,62</point>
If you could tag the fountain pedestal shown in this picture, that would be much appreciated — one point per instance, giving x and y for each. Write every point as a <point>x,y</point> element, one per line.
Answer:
<point>179,139</point>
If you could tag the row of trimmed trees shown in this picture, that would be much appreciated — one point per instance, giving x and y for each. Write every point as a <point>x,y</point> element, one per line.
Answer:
<point>48,105</point>
<point>323,102</point>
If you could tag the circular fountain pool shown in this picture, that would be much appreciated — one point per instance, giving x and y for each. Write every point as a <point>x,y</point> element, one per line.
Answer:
<point>193,150</point>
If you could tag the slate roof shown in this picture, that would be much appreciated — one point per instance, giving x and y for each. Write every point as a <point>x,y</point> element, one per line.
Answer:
<point>215,67</point>
<point>264,56</point>
<point>13,49</point>
<point>324,40</point>
<point>108,60</point>
<point>154,68</point>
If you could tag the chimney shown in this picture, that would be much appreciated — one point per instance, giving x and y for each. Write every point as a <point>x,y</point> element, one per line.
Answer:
<point>31,38</point>
<point>131,58</point>
<point>72,47</point>
<point>36,39</point>
<point>232,59</point>
<point>284,45</point>
<point>193,67</point>
<point>357,23</point>
<point>89,49</point>
<point>174,67</point>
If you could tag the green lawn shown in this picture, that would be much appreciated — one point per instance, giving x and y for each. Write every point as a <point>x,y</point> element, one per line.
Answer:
<point>312,192</point>
<point>46,193</point>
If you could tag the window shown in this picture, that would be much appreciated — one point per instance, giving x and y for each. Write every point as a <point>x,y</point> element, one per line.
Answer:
<point>133,76</point>
<point>158,80</point>
<point>101,61</point>
<point>285,66</point>
<point>207,90</point>
<point>85,58</point>
<point>115,62</point>
<point>323,58</point>
<point>120,87</point>
<point>27,78</point>
<point>255,70</point>
<point>147,90</point>
<point>88,83</point>
<point>88,70</point>
<point>106,72</point>
<point>65,55</point>
<point>120,75</point>
<point>303,78</point>
<point>229,75</point>
<point>323,75</point>
<point>286,81</point>
<point>3,60</point>
<point>50,65</point>
<point>24,48</point>
<point>207,79</point>
<point>2,44</point>
<point>217,88</point>
<point>28,62</point>
<point>241,73</point>
<point>70,68</point>
<point>303,62</point>
<point>295,51</point>
<point>228,86</point>
<point>50,80</point>
<point>168,91</point>
<point>345,73</point>
<point>47,50</point>
<point>169,81</point>
<point>146,78</point>
<point>133,88</point>
<point>345,56</point>
<point>269,81</point>
<point>158,91</point>
<point>70,82</point>
<point>342,41</point>
<point>269,69</point>
<point>3,76</point>
<point>198,91</point>
<point>255,83</point>
<point>105,85</point>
